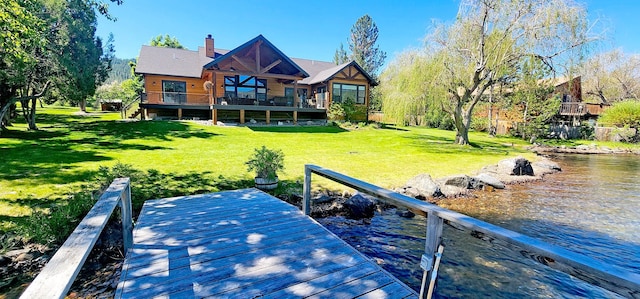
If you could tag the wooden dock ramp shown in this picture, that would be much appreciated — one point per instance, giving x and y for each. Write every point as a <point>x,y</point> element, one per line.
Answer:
<point>244,244</point>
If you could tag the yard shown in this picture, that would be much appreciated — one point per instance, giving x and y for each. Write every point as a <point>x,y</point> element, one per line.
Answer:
<point>43,169</point>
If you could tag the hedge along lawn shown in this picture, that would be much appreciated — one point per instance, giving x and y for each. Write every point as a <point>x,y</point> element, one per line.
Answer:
<point>45,166</point>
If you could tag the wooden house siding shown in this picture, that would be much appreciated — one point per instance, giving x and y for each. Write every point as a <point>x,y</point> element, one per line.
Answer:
<point>256,58</point>
<point>195,93</point>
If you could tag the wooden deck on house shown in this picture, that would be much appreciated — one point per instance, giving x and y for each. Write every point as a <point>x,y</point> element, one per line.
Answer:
<point>244,244</point>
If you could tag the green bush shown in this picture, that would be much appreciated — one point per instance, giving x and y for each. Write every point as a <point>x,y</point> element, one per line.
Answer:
<point>479,124</point>
<point>336,112</point>
<point>53,225</point>
<point>622,114</point>
<point>587,131</point>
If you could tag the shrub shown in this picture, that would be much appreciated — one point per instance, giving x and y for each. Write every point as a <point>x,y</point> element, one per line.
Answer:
<point>53,225</point>
<point>622,114</point>
<point>266,163</point>
<point>336,112</point>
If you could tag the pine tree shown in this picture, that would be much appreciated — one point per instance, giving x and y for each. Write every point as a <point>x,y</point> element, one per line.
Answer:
<point>341,56</point>
<point>362,43</point>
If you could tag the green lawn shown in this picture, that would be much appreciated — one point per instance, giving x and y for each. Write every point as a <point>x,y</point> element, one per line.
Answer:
<point>43,167</point>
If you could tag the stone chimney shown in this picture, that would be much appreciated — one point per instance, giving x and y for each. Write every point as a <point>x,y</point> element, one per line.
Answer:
<point>208,45</point>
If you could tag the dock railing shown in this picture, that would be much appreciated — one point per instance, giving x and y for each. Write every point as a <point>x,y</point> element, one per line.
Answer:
<point>57,276</point>
<point>590,270</point>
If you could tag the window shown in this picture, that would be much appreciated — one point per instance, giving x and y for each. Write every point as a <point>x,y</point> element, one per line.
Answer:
<point>230,87</point>
<point>245,87</point>
<point>361,99</point>
<point>344,92</point>
<point>337,93</point>
<point>174,92</point>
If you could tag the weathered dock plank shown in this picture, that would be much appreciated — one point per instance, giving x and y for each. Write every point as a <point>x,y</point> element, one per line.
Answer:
<point>244,244</point>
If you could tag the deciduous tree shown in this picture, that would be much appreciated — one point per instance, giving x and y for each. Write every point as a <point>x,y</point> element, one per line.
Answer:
<point>54,45</point>
<point>166,41</point>
<point>611,77</point>
<point>491,39</point>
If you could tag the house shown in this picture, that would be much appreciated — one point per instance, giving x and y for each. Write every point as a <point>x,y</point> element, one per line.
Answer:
<point>255,81</point>
<point>572,107</point>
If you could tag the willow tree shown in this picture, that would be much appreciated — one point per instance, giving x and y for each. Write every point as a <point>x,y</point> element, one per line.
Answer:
<point>407,99</point>
<point>491,39</point>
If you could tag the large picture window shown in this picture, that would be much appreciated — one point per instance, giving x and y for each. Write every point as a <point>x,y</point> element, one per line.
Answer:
<point>245,87</point>
<point>174,92</point>
<point>344,92</point>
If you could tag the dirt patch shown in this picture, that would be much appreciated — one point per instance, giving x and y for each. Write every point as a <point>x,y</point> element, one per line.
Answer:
<point>98,277</point>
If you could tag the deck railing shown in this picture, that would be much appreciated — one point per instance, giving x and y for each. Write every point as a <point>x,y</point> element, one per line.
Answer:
<point>57,276</point>
<point>580,266</point>
<point>199,99</point>
<point>176,98</point>
<point>581,108</point>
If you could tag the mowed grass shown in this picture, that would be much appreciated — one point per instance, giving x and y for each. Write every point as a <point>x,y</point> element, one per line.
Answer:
<point>46,166</point>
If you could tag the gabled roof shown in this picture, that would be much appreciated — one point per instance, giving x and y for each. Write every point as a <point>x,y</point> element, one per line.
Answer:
<point>268,54</point>
<point>330,70</point>
<point>189,63</point>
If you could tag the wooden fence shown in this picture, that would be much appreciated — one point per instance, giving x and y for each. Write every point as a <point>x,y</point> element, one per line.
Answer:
<point>55,280</point>
<point>580,266</point>
<point>376,116</point>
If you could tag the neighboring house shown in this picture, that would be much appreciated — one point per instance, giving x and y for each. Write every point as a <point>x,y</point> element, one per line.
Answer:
<point>572,107</point>
<point>253,81</point>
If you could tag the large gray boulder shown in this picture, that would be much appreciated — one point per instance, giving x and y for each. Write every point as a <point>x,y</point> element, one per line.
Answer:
<point>515,166</point>
<point>360,206</point>
<point>421,186</point>
<point>461,181</point>
<point>488,180</point>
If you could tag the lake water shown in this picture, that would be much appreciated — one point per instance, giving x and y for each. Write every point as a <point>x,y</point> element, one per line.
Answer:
<point>592,207</point>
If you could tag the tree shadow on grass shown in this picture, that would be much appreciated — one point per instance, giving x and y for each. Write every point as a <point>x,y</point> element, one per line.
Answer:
<point>159,130</point>
<point>446,145</point>
<point>48,155</point>
<point>393,128</point>
<point>289,129</point>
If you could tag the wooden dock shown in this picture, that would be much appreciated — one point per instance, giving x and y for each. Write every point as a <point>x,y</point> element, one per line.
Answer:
<point>244,244</point>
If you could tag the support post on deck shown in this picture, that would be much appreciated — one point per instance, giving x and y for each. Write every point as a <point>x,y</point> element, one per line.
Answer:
<point>295,117</point>
<point>242,116</point>
<point>295,93</point>
<point>179,113</point>
<point>268,116</point>
<point>306,192</point>
<point>214,116</point>
<point>432,242</point>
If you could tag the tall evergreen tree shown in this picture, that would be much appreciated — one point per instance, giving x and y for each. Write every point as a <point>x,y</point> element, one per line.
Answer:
<point>362,44</point>
<point>363,47</point>
<point>340,56</point>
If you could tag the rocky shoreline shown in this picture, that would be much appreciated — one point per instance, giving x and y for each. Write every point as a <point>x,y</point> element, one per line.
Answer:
<point>361,206</point>
<point>580,149</point>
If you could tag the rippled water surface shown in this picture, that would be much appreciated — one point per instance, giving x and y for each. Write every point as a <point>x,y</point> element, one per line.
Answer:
<point>592,207</point>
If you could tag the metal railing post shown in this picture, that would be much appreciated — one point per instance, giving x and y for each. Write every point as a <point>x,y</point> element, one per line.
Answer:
<point>306,190</point>
<point>127,219</point>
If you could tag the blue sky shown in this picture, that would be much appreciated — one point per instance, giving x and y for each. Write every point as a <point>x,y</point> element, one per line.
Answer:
<point>314,30</point>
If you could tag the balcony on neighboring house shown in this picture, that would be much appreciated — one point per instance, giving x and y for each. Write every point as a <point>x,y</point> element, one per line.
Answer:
<point>582,109</point>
